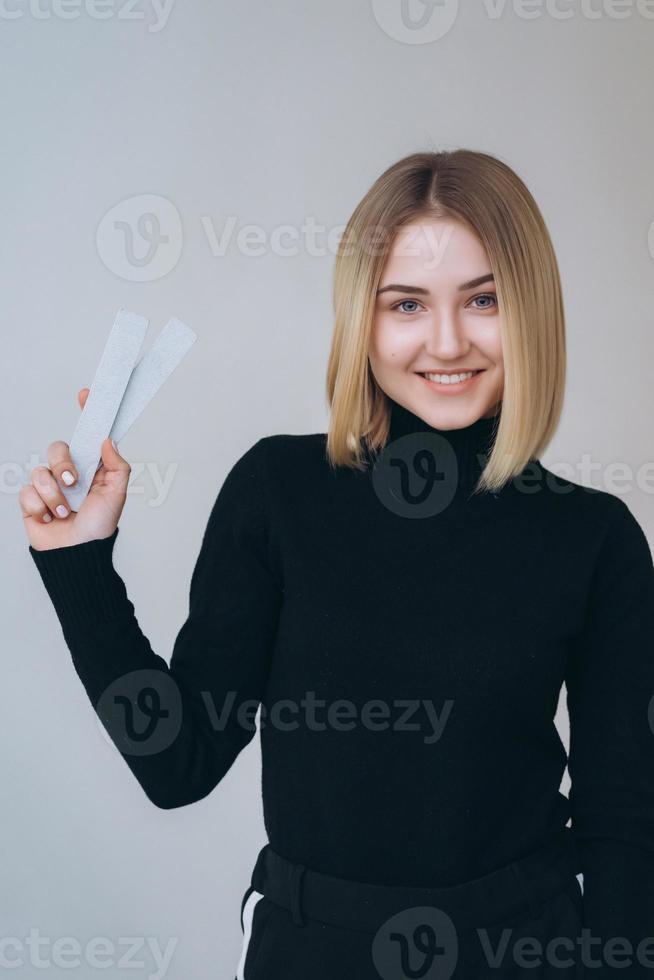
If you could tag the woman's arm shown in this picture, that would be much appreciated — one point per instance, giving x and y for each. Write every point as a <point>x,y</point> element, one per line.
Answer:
<point>178,727</point>
<point>610,686</point>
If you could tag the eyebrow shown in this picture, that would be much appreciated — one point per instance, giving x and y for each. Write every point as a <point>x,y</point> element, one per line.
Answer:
<point>400,288</point>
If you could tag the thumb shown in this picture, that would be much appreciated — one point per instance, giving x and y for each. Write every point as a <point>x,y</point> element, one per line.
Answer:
<point>117,469</point>
<point>111,458</point>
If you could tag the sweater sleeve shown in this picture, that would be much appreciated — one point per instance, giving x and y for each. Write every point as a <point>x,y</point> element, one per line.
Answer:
<point>610,699</point>
<point>178,727</point>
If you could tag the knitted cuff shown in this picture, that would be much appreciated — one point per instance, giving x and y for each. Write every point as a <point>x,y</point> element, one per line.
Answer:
<point>82,583</point>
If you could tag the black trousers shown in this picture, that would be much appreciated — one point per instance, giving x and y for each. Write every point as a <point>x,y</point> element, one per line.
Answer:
<point>522,920</point>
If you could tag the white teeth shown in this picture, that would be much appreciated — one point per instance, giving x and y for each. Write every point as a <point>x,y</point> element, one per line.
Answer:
<point>450,379</point>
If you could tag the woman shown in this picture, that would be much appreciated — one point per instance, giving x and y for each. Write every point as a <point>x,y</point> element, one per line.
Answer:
<point>404,597</point>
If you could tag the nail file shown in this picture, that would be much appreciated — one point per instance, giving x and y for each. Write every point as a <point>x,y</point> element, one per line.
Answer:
<point>168,350</point>
<point>143,382</point>
<point>107,389</point>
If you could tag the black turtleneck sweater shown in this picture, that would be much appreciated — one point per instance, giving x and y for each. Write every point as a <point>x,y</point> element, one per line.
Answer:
<point>407,642</point>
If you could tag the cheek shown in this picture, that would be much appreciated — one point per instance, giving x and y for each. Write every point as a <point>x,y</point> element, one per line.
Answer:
<point>493,351</point>
<point>381,348</point>
<point>490,343</point>
<point>389,344</point>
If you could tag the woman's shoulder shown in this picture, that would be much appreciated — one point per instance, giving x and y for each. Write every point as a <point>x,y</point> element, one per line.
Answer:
<point>609,514</point>
<point>291,449</point>
<point>279,458</point>
<point>282,441</point>
<point>281,447</point>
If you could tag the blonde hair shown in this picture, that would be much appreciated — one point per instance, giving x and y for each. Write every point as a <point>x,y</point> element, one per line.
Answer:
<point>485,193</point>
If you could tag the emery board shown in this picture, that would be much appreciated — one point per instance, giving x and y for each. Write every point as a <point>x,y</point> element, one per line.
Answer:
<point>172,344</point>
<point>142,383</point>
<point>107,389</point>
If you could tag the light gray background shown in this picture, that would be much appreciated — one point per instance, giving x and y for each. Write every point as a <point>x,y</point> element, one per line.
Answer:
<point>269,114</point>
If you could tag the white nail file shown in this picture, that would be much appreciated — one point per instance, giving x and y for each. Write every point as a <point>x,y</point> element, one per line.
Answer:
<point>143,382</point>
<point>111,379</point>
<point>172,344</point>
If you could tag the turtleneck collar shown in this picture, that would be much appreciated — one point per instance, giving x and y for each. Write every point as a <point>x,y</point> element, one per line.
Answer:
<point>471,444</point>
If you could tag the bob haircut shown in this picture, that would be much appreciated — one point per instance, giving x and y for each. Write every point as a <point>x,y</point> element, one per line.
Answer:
<point>481,191</point>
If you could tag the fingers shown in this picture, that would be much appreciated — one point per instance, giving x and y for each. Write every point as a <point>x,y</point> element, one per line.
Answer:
<point>82,395</point>
<point>32,506</point>
<point>61,464</point>
<point>47,488</point>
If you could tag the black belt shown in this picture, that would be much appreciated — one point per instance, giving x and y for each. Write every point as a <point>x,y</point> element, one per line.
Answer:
<point>525,885</point>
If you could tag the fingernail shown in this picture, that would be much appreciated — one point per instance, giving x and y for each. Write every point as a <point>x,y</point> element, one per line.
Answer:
<point>62,511</point>
<point>113,443</point>
<point>47,517</point>
<point>67,477</point>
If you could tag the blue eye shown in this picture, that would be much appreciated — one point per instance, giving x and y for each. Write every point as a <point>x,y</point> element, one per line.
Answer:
<point>484,297</point>
<point>490,296</point>
<point>402,302</point>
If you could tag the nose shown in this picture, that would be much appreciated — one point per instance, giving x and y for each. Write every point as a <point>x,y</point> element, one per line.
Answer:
<point>445,339</point>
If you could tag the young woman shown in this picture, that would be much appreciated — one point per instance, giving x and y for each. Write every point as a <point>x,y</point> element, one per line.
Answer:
<point>404,597</point>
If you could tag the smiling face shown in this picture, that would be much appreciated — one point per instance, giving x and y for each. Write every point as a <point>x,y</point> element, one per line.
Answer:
<point>435,346</point>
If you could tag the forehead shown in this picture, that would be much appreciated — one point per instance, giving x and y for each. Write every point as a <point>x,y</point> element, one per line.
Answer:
<point>435,249</point>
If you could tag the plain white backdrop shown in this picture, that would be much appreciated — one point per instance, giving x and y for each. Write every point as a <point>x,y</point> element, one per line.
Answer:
<point>197,159</point>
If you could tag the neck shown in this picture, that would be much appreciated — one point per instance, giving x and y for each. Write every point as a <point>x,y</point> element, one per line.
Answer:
<point>470,445</point>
